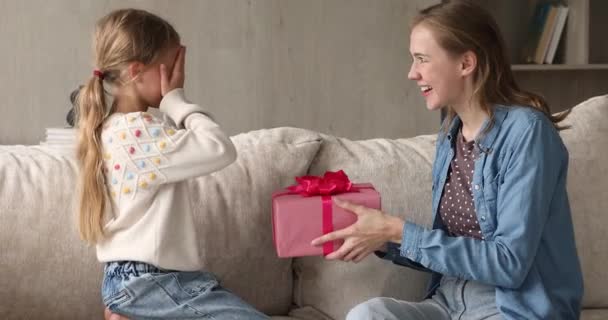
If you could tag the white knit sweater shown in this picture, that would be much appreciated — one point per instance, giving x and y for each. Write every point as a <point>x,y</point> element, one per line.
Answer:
<point>147,160</point>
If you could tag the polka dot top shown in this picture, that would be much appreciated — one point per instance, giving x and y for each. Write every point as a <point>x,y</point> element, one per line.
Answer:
<point>457,208</point>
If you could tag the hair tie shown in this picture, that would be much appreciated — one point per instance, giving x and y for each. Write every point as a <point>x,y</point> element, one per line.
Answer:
<point>98,74</point>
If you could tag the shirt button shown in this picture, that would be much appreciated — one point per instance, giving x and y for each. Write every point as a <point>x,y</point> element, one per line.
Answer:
<point>408,252</point>
<point>483,218</point>
<point>476,187</point>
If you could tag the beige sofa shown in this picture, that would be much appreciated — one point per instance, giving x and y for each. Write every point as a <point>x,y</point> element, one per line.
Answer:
<point>47,273</point>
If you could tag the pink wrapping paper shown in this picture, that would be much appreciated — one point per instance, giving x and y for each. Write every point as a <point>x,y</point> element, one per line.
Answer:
<point>297,219</point>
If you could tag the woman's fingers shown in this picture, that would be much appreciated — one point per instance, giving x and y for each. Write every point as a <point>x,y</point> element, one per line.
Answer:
<point>352,254</point>
<point>339,254</point>
<point>332,236</point>
<point>349,206</point>
<point>361,256</point>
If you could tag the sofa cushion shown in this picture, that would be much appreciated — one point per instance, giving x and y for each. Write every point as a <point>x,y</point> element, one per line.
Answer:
<point>587,143</point>
<point>48,273</point>
<point>401,171</point>
<point>233,215</point>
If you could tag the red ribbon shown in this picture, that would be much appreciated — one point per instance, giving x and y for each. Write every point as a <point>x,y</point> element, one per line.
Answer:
<point>328,223</point>
<point>329,184</point>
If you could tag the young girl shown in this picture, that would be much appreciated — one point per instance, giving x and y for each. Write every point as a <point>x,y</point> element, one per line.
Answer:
<point>502,242</point>
<point>134,204</point>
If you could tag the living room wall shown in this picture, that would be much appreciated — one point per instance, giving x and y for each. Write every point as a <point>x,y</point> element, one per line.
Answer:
<point>335,66</point>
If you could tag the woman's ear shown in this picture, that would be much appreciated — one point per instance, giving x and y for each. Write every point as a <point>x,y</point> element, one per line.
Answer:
<point>468,63</point>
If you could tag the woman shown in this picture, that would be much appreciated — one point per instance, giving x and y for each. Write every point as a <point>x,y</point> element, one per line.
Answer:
<point>502,241</point>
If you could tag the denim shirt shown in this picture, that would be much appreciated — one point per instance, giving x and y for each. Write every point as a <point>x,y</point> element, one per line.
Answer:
<point>519,188</point>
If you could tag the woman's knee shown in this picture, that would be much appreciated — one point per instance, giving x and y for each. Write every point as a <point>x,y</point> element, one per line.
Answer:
<point>370,309</point>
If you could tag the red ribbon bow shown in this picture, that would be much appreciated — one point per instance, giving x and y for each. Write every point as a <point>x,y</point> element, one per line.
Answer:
<point>330,183</point>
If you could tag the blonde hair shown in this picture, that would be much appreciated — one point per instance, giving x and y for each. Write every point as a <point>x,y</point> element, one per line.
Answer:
<point>121,37</point>
<point>461,26</point>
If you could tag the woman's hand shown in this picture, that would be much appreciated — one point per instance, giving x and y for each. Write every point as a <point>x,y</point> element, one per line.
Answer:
<point>371,231</point>
<point>177,77</point>
<point>108,315</point>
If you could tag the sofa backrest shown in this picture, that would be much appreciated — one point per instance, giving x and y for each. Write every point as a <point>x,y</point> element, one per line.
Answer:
<point>587,143</point>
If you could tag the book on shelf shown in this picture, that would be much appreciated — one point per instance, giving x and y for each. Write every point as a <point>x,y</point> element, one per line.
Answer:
<point>546,28</point>
<point>543,42</point>
<point>535,31</point>
<point>557,33</point>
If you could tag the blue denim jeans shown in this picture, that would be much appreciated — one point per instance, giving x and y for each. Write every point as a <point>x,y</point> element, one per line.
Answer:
<point>455,299</point>
<point>142,291</point>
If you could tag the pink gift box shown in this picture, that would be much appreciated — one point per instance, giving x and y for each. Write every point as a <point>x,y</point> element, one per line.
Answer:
<point>298,219</point>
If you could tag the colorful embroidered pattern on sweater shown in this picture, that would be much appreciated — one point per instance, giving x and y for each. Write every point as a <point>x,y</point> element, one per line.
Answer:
<point>134,149</point>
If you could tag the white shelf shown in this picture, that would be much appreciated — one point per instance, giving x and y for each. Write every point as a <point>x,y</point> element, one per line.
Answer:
<point>558,67</point>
